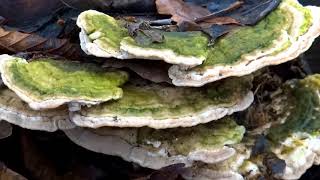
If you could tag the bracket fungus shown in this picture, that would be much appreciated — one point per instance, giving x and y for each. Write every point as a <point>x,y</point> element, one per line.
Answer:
<point>163,106</point>
<point>298,138</point>
<point>283,35</point>
<point>208,174</point>
<point>188,75</point>
<point>103,36</point>
<point>16,111</point>
<point>294,136</point>
<point>47,83</point>
<point>224,170</point>
<point>160,148</point>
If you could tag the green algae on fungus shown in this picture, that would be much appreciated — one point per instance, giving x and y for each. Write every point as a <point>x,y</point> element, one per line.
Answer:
<point>281,36</point>
<point>160,148</point>
<point>164,106</point>
<point>47,83</point>
<point>294,135</point>
<point>230,48</point>
<point>190,47</point>
<point>182,141</point>
<point>104,36</point>
<point>103,30</point>
<point>292,143</point>
<point>192,43</point>
<point>302,109</point>
<point>16,111</point>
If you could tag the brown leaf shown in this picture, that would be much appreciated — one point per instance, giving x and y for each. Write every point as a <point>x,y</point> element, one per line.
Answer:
<point>192,17</point>
<point>127,6</point>
<point>15,42</point>
<point>8,174</point>
<point>231,7</point>
<point>180,11</point>
<point>218,21</point>
<point>156,72</point>
<point>28,15</point>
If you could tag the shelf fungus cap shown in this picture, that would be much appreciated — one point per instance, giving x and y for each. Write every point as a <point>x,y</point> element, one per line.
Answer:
<point>16,111</point>
<point>209,174</point>
<point>163,106</point>
<point>292,144</point>
<point>160,148</point>
<point>282,36</point>
<point>297,139</point>
<point>103,36</point>
<point>48,83</point>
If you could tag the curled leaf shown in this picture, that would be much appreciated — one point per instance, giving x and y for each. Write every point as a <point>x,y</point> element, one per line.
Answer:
<point>131,6</point>
<point>194,17</point>
<point>213,17</point>
<point>180,11</point>
<point>15,42</point>
<point>155,72</point>
<point>28,15</point>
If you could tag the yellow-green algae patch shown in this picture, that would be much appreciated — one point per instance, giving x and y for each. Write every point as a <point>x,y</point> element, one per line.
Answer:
<point>230,48</point>
<point>302,113</point>
<point>106,31</point>
<point>165,102</point>
<point>307,15</point>
<point>51,79</point>
<point>182,141</point>
<point>182,43</point>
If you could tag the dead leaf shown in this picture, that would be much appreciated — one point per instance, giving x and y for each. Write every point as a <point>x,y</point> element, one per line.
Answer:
<point>218,21</point>
<point>213,17</point>
<point>143,34</point>
<point>127,6</point>
<point>15,42</point>
<point>28,15</point>
<point>180,11</point>
<point>249,13</point>
<point>8,174</point>
<point>193,17</point>
<point>152,71</point>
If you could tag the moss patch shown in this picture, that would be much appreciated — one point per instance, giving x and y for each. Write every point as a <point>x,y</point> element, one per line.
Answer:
<point>46,79</point>
<point>163,102</point>
<point>206,136</point>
